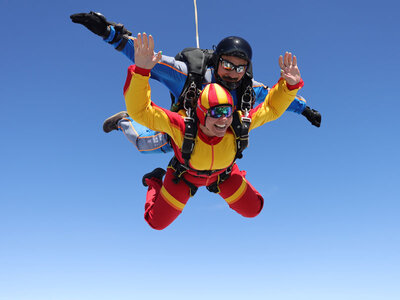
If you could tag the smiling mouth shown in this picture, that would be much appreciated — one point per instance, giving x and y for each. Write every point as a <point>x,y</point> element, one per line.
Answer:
<point>220,127</point>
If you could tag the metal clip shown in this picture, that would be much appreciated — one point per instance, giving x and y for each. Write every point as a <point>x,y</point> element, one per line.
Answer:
<point>247,100</point>
<point>190,96</point>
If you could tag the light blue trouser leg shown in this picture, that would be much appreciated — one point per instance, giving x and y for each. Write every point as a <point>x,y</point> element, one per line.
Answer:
<point>145,140</point>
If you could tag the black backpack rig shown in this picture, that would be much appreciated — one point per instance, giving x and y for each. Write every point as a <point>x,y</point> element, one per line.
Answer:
<point>197,61</point>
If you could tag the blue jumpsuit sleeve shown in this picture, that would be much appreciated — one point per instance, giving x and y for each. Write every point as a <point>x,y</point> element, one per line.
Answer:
<point>297,106</point>
<point>168,71</point>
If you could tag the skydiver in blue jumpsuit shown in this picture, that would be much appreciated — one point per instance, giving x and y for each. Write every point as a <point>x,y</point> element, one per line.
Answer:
<point>173,74</point>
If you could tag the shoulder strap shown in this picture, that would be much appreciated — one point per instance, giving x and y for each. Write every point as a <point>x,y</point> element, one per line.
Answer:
<point>241,127</point>
<point>189,139</point>
<point>245,95</point>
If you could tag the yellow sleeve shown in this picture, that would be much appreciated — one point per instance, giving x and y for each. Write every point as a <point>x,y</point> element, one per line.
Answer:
<point>274,105</point>
<point>139,105</point>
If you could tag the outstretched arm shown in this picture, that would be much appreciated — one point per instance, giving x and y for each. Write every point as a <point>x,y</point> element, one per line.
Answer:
<point>169,72</point>
<point>291,73</point>
<point>137,89</point>
<point>281,95</point>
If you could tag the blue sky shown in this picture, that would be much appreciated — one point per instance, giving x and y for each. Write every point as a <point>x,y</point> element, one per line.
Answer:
<point>71,199</point>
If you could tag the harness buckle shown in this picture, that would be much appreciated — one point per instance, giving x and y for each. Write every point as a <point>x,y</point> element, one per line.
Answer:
<point>245,118</point>
<point>190,98</point>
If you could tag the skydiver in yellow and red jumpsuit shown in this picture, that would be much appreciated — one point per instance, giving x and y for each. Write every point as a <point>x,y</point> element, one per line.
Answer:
<point>215,145</point>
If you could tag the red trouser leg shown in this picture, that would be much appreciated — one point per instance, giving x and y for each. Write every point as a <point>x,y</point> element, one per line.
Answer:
<point>165,202</point>
<point>241,196</point>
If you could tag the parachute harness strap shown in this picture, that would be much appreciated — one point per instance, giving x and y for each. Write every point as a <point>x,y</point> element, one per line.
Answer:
<point>241,127</point>
<point>214,187</point>
<point>189,139</point>
<point>190,97</point>
<point>189,103</point>
<point>180,169</point>
<point>247,100</point>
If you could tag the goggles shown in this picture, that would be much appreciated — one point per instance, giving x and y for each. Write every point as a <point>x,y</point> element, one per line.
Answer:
<point>219,111</point>
<point>227,65</point>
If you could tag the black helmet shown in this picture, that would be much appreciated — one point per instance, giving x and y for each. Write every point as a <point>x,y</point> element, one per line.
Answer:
<point>235,46</point>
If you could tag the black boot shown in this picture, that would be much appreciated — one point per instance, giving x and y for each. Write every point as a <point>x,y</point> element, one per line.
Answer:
<point>313,116</point>
<point>156,173</point>
<point>111,123</point>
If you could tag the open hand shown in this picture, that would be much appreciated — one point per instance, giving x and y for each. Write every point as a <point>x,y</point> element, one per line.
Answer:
<point>145,57</point>
<point>289,70</point>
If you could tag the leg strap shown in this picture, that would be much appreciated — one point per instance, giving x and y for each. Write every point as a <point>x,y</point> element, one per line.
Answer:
<point>214,187</point>
<point>180,169</point>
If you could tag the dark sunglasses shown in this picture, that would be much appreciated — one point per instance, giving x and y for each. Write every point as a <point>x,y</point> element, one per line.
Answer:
<point>227,65</point>
<point>219,111</point>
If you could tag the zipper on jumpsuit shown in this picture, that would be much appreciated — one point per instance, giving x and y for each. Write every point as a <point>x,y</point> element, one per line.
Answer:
<point>212,163</point>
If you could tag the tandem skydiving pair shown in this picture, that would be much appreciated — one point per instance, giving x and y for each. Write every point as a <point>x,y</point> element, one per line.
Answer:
<point>210,129</point>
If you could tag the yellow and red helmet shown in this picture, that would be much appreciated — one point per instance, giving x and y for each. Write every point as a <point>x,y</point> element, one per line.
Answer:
<point>212,95</point>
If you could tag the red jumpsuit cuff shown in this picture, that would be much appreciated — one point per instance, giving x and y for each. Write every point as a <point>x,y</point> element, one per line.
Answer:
<point>139,70</point>
<point>298,85</point>
<point>134,69</point>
